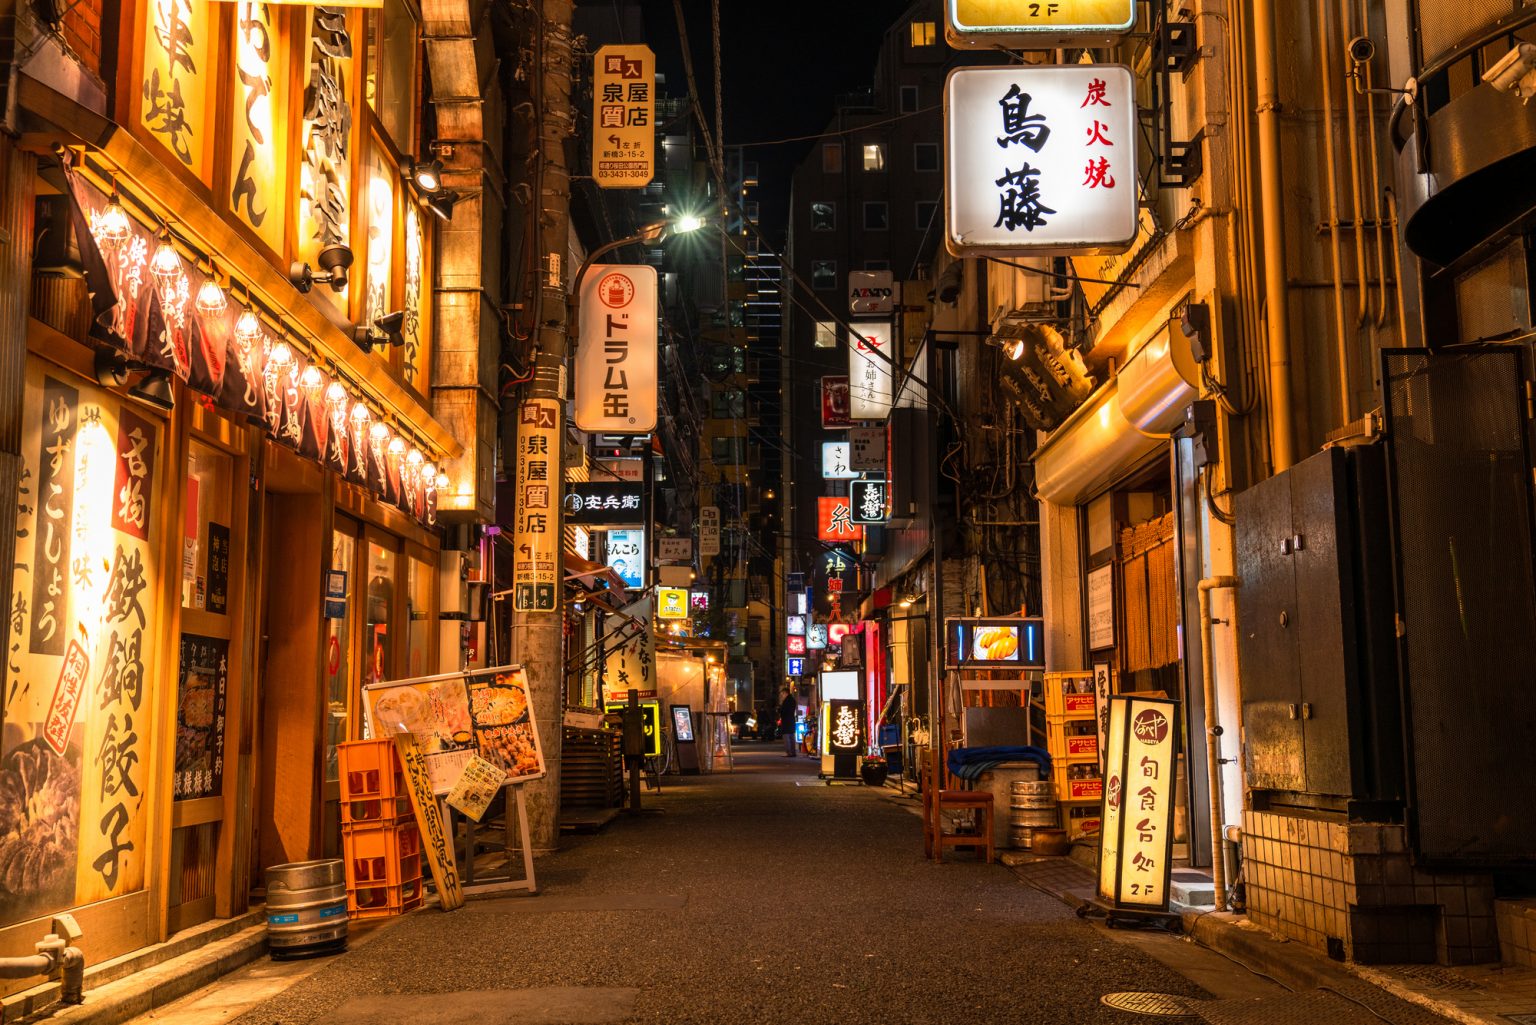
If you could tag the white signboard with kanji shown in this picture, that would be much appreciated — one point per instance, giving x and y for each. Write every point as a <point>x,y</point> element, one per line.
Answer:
<point>1137,834</point>
<point>868,500</point>
<point>1040,159</point>
<point>835,461</point>
<point>536,518</point>
<point>623,117</point>
<point>674,549</point>
<point>866,449</point>
<point>871,387</point>
<point>616,356</point>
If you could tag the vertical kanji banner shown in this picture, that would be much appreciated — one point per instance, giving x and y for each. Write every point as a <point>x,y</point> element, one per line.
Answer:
<point>1137,832</point>
<point>623,117</point>
<point>536,530</point>
<point>616,370</point>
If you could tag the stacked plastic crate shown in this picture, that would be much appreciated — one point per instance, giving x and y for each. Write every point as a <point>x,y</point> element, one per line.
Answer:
<point>380,841</point>
<point>1073,738</point>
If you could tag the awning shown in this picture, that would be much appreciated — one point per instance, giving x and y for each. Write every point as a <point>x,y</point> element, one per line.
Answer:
<point>590,574</point>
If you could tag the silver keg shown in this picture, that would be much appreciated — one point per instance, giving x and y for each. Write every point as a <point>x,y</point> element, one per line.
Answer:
<point>1031,806</point>
<point>306,908</point>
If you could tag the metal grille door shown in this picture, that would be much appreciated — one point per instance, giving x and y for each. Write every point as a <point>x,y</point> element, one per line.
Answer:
<point>1460,477</point>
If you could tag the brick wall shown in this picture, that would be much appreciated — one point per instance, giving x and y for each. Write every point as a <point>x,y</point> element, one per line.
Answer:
<point>1350,890</point>
<point>82,30</point>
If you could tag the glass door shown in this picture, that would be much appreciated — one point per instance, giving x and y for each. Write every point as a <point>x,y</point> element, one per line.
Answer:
<point>338,671</point>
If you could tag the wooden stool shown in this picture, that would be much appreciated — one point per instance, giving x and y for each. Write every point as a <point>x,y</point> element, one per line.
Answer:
<point>938,801</point>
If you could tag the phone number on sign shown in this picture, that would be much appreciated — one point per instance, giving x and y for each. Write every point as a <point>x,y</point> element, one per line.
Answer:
<point>623,170</point>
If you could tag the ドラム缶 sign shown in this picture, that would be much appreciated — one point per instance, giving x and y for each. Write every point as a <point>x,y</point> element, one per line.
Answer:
<point>1032,25</point>
<point>1137,831</point>
<point>616,357</point>
<point>1040,159</point>
<point>623,117</point>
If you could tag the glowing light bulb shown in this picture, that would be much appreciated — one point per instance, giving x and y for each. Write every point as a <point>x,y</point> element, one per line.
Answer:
<point>280,356</point>
<point>113,225</point>
<point>210,298</point>
<point>442,482</point>
<point>336,395</point>
<point>310,382</point>
<point>397,446</point>
<point>378,432</point>
<point>360,414</point>
<point>166,263</point>
<point>247,327</point>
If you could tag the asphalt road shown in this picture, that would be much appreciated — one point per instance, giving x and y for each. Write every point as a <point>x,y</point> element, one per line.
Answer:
<point>742,898</point>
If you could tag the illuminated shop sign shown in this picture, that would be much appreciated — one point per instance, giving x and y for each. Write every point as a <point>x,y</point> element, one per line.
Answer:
<point>1036,24</point>
<point>616,359</point>
<point>1137,832</point>
<point>999,643</point>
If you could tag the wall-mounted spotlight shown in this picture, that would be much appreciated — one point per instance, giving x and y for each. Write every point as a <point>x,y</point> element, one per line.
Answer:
<point>334,261</point>
<point>427,176</point>
<point>386,330</point>
<point>155,389</point>
<point>111,368</point>
<point>441,203</point>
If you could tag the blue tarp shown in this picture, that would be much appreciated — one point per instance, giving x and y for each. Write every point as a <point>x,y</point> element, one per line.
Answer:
<point>971,762</point>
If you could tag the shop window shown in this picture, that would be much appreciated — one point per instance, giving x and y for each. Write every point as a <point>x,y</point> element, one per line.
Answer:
<point>925,156</point>
<point>338,643</point>
<point>874,156</point>
<point>924,33</point>
<point>826,334</point>
<point>391,75</point>
<point>832,158</point>
<point>877,216</point>
<point>824,274</point>
<point>823,216</point>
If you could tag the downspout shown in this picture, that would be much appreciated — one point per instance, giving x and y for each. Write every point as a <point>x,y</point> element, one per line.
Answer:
<point>1277,315</point>
<point>1352,133</point>
<point>1213,732</point>
<point>1325,47</point>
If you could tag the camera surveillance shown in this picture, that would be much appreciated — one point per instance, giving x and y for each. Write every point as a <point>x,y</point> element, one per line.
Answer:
<point>1515,72</point>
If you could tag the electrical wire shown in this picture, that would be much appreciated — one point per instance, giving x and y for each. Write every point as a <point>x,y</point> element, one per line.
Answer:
<point>842,131</point>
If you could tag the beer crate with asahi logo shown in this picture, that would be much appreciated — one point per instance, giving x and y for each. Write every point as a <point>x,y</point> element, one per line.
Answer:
<point>1137,834</point>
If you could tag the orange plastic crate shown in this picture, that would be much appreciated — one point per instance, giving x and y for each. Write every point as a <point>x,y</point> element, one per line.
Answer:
<point>369,768</point>
<point>377,811</point>
<point>384,901</point>
<point>381,855</point>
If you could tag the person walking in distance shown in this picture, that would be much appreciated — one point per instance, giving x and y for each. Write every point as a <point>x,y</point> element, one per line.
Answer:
<point>788,707</point>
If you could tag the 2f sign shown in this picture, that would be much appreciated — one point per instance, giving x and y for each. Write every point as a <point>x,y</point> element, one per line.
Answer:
<point>616,357</point>
<point>1036,24</point>
<point>1040,160</point>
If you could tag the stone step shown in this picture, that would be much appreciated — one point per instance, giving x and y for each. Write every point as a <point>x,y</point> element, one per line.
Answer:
<point>1191,889</point>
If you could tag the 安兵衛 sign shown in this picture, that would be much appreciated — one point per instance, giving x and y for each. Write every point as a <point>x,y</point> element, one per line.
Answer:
<point>1040,159</point>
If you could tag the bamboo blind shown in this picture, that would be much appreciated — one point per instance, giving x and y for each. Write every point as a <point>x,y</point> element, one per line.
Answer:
<point>1150,600</point>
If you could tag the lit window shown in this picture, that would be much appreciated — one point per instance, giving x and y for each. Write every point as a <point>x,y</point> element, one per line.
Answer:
<point>832,158</point>
<point>876,217</point>
<point>826,334</point>
<point>823,216</point>
<point>874,156</point>
<point>824,274</point>
<point>925,156</point>
<point>924,33</point>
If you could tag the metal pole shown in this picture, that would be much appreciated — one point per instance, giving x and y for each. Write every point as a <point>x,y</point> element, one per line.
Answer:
<point>1277,314</point>
<point>538,637</point>
<point>1213,733</point>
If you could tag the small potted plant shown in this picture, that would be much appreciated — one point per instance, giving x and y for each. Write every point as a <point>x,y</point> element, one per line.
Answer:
<point>872,770</point>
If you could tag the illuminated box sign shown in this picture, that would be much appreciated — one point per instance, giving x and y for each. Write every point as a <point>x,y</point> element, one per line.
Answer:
<point>795,626</point>
<point>871,382</point>
<point>871,292</point>
<point>868,499</point>
<point>1036,24</point>
<point>1136,839</point>
<point>682,724</point>
<point>999,643</point>
<point>536,519</point>
<point>1040,160</point>
<point>616,358</point>
<point>671,603</point>
<point>795,644</point>
<point>650,719</point>
<point>699,601</point>
<point>836,464</point>
<point>835,634</point>
<point>623,117</point>
<point>845,732</point>
<point>834,402</point>
<point>794,665</point>
<point>604,504</point>
<point>834,519</point>
<point>866,449</point>
<point>626,557</point>
<point>816,636</point>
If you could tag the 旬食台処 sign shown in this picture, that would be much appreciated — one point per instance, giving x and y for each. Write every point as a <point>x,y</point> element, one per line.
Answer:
<point>1137,831</point>
<point>1040,159</point>
<point>1036,24</point>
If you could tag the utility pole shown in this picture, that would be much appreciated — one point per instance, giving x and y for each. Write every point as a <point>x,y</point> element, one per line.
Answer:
<point>538,637</point>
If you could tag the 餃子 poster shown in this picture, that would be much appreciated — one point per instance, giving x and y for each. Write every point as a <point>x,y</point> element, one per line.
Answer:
<point>505,728</point>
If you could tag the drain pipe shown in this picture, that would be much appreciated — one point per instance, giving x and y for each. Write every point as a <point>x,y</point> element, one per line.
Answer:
<point>1276,311</point>
<point>54,951</point>
<point>1213,735</point>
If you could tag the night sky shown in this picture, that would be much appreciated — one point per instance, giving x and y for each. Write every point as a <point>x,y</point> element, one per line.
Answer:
<point>784,65</point>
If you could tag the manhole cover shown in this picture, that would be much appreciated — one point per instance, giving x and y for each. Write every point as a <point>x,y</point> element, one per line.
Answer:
<point>1159,1005</point>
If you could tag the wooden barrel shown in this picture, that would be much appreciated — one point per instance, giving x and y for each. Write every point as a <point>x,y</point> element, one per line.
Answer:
<point>306,908</point>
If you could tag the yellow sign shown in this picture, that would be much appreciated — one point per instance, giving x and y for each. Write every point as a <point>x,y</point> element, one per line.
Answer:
<point>623,117</point>
<point>1027,24</point>
<point>174,85</point>
<point>1136,839</point>
<point>256,139</point>
<point>671,603</point>
<point>429,819</point>
<point>536,520</point>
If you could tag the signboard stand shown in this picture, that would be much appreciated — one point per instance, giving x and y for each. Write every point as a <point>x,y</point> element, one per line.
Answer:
<point>513,794</point>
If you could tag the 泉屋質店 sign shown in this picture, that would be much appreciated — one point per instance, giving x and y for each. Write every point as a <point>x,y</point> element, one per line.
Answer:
<point>623,122</point>
<point>1028,25</point>
<point>616,358</point>
<point>536,514</point>
<point>1136,837</point>
<point>1040,159</point>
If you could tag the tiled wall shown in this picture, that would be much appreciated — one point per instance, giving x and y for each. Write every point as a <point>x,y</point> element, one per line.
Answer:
<point>1517,931</point>
<point>1350,890</point>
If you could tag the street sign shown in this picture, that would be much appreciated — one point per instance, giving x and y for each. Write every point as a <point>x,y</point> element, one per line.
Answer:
<point>709,530</point>
<point>624,117</point>
<point>1136,837</point>
<point>871,384</point>
<point>1040,160</point>
<point>536,519</point>
<point>871,292</point>
<point>1025,25</point>
<point>834,519</point>
<point>866,449</point>
<point>604,504</point>
<point>868,500</point>
<point>616,357</point>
